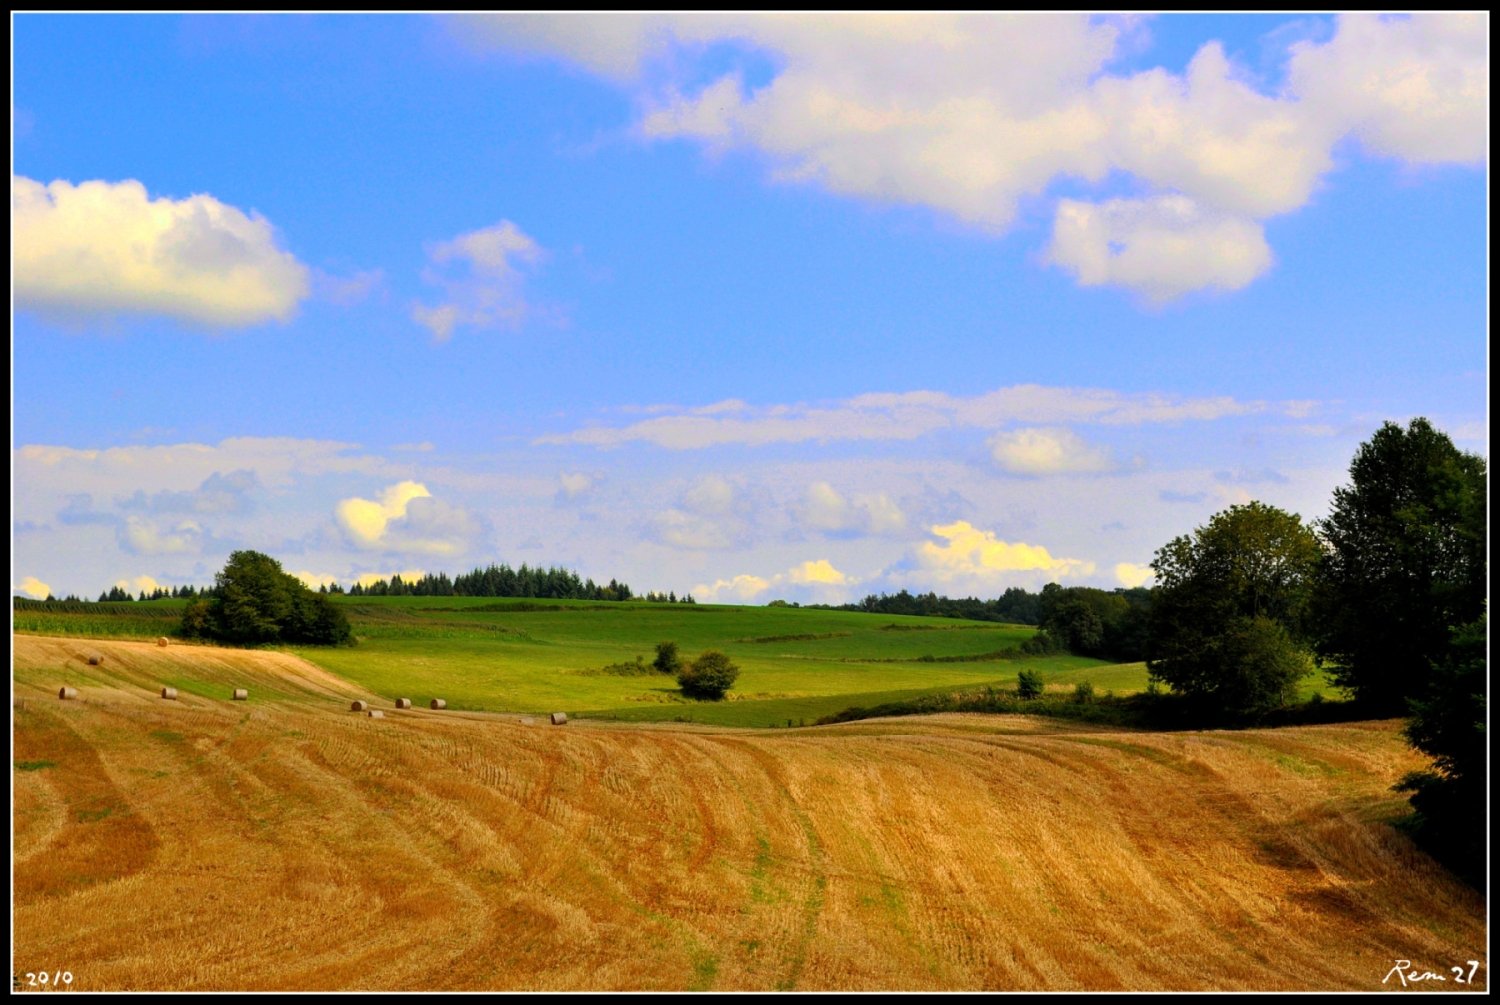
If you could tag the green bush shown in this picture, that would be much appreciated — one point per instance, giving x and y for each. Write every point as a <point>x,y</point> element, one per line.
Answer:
<point>1029,684</point>
<point>667,661</point>
<point>1083,692</point>
<point>708,677</point>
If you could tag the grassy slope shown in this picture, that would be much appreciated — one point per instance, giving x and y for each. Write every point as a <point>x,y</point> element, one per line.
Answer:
<point>285,843</point>
<point>539,656</point>
<point>504,656</point>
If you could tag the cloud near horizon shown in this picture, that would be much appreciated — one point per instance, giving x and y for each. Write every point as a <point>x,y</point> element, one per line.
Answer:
<point>816,575</point>
<point>407,519</point>
<point>966,554</point>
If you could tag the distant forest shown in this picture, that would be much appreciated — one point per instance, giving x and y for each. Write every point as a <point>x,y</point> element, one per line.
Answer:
<point>492,581</point>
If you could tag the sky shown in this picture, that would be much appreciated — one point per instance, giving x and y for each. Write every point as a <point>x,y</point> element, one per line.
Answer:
<point>745,306</point>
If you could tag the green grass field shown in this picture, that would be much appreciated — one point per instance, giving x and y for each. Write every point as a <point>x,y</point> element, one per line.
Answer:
<point>536,656</point>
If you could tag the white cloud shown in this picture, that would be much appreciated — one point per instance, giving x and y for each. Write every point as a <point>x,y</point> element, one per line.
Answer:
<point>741,589</point>
<point>139,585</point>
<point>968,555</point>
<point>573,484</point>
<point>139,536</point>
<point>819,572</point>
<point>902,416</point>
<point>1161,248</point>
<point>371,578</point>
<point>816,576</point>
<point>365,520</point>
<point>313,580</point>
<point>101,248</point>
<point>276,461</point>
<point>407,519</point>
<point>1046,451</point>
<point>480,279</point>
<point>711,495</point>
<point>1416,88</point>
<point>824,509</point>
<point>1131,575</point>
<point>691,531</point>
<point>34,588</point>
<point>882,516</point>
<point>975,114</point>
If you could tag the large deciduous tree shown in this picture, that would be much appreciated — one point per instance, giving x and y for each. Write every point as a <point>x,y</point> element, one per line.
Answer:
<point>254,602</point>
<point>1405,563</point>
<point>1230,610</point>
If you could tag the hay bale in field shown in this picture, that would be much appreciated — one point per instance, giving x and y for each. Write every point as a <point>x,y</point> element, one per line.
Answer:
<point>162,640</point>
<point>403,703</point>
<point>169,693</point>
<point>559,718</point>
<point>240,694</point>
<point>438,703</point>
<point>95,659</point>
<point>64,693</point>
<point>359,706</point>
<point>375,713</point>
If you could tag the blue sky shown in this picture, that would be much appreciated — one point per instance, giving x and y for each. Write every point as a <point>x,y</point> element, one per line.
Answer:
<point>747,306</point>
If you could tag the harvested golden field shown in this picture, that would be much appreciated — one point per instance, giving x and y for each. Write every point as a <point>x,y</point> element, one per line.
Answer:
<point>286,842</point>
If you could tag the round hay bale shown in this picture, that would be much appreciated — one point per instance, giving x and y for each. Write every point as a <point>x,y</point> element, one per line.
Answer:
<point>359,706</point>
<point>559,718</point>
<point>169,693</point>
<point>403,703</point>
<point>95,659</point>
<point>240,694</point>
<point>375,713</point>
<point>438,703</point>
<point>65,693</point>
<point>163,641</point>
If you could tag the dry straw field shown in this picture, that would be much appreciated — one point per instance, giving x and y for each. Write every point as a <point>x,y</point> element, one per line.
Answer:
<point>287,842</point>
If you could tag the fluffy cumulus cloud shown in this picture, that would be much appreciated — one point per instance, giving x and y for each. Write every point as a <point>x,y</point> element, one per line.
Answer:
<point>33,587</point>
<point>1415,88</point>
<point>103,248</point>
<point>313,580</point>
<point>815,578</point>
<point>711,514</point>
<point>1131,575</point>
<point>975,114</point>
<point>1161,248</point>
<point>907,415</point>
<point>819,572</point>
<point>142,536</point>
<point>480,278</point>
<point>1047,451</point>
<point>407,519</point>
<point>139,584</point>
<point>824,509</point>
<point>742,589</point>
<point>964,554</point>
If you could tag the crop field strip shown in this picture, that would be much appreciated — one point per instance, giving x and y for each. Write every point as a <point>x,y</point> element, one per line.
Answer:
<point>288,843</point>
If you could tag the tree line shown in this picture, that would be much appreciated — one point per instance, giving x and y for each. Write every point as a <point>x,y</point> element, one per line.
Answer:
<point>1389,593</point>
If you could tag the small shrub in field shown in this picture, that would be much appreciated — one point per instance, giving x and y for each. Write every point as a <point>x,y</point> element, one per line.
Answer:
<point>1083,692</point>
<point>1029,684</point>
<point>708,676</point>
<point>667,661</point>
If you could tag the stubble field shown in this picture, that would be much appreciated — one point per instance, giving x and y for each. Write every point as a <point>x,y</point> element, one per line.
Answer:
<point>286,842</point>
